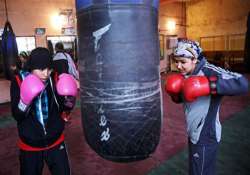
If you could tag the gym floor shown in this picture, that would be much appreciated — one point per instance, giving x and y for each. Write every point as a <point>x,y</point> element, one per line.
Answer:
<point>170,157</point>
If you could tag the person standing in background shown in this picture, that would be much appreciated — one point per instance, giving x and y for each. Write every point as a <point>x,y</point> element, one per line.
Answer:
<point>63,62</point>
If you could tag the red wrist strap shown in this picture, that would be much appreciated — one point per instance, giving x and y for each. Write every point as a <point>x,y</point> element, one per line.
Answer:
<point>213,86</point>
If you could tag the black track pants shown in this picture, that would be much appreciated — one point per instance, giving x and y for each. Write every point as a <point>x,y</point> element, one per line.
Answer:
<point>202,159</point>
<point>32,162</point>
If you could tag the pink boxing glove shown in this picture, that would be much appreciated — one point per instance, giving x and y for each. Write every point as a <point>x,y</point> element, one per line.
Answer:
<point>30,87</point>
<point>66,85</point>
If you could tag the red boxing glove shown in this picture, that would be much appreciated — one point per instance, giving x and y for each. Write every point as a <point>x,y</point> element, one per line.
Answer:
<point>173,86</point>
<point>196,86</point>
<point>174,83</point>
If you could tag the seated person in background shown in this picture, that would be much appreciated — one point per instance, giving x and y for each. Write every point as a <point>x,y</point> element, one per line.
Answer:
<point>22,61</point>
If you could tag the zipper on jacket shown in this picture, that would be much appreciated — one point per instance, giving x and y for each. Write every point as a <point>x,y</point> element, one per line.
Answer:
<point>41,114</point>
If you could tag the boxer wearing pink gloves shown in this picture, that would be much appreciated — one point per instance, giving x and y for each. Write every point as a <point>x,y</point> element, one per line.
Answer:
<point>38,100</point>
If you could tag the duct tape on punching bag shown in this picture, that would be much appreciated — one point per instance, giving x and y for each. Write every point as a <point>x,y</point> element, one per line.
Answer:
<point>9,51</point>
<point>119,75</point>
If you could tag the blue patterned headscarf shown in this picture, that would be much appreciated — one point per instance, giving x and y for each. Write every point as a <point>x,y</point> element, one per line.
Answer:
<point>188,48</point>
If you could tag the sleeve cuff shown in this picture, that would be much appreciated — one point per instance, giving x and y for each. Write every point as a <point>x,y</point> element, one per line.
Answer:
<point>22,106</point>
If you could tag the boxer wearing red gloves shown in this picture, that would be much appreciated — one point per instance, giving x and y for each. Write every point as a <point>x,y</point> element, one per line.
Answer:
<point>37,103</point>
<point>201,86</point>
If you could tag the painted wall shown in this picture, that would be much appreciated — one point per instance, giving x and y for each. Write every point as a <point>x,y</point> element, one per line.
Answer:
<point>216,17</point>
<point>172,11</point>
<point>175,11</point>
<point>26,15</point>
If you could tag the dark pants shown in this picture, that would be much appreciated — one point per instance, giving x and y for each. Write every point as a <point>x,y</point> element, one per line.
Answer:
<point>202,159</point>
<point>32,162</point>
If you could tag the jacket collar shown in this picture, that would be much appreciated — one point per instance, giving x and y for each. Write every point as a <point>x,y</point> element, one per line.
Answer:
<point>199,66</point>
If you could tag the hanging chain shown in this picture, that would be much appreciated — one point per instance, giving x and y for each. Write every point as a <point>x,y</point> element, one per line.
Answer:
<point>6,10</point>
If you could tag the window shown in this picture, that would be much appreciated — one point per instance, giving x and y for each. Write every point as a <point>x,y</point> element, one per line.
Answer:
<point>69,43</point>
<point>161,40</point>
<point>26,44</point>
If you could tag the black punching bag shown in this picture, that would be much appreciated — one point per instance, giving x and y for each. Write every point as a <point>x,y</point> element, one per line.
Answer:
<point>9,51</point>
<point>119,75</point>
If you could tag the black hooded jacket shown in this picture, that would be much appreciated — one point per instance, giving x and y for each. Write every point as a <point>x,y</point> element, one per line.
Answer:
<point>30,130</point>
